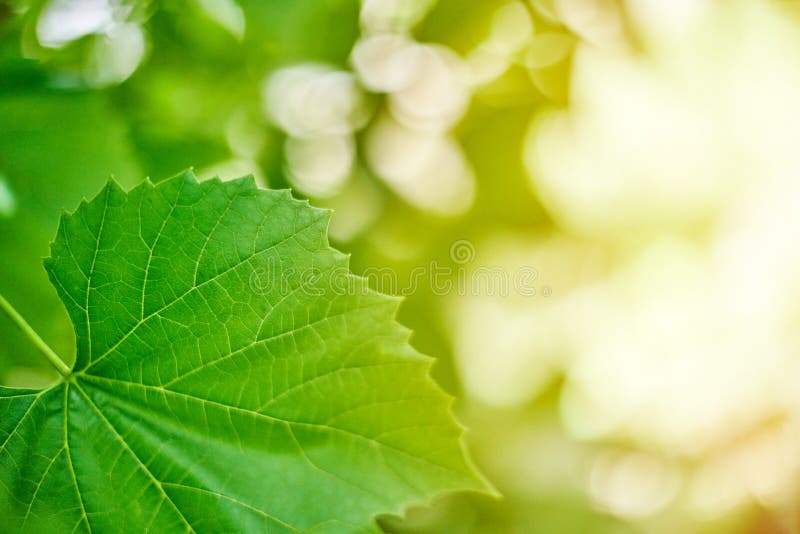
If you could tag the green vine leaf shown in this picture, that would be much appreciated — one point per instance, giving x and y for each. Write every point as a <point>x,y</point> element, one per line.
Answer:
<point>209,397</point>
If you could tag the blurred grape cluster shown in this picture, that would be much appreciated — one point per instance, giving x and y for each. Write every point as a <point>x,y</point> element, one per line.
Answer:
<point>640,154</point>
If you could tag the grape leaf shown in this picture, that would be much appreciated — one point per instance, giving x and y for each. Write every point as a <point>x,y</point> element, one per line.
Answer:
<point>207,396</point>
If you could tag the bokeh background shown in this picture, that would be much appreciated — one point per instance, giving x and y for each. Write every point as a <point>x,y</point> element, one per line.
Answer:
<point>642,155</point>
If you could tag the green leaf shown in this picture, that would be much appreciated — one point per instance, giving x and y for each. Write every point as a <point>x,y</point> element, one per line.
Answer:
<point>209,397</point>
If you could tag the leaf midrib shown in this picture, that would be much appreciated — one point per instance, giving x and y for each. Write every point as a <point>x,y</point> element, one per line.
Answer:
<point>272,418</point>
<point>183,295</point>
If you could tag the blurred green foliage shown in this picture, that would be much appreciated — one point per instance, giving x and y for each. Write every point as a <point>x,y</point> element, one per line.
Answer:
<point>63,136</point>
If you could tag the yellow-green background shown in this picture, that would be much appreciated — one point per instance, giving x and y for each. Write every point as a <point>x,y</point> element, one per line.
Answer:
<point>641,155</point>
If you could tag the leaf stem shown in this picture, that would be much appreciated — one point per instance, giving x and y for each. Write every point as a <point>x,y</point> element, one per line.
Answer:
<point>43,347</point>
